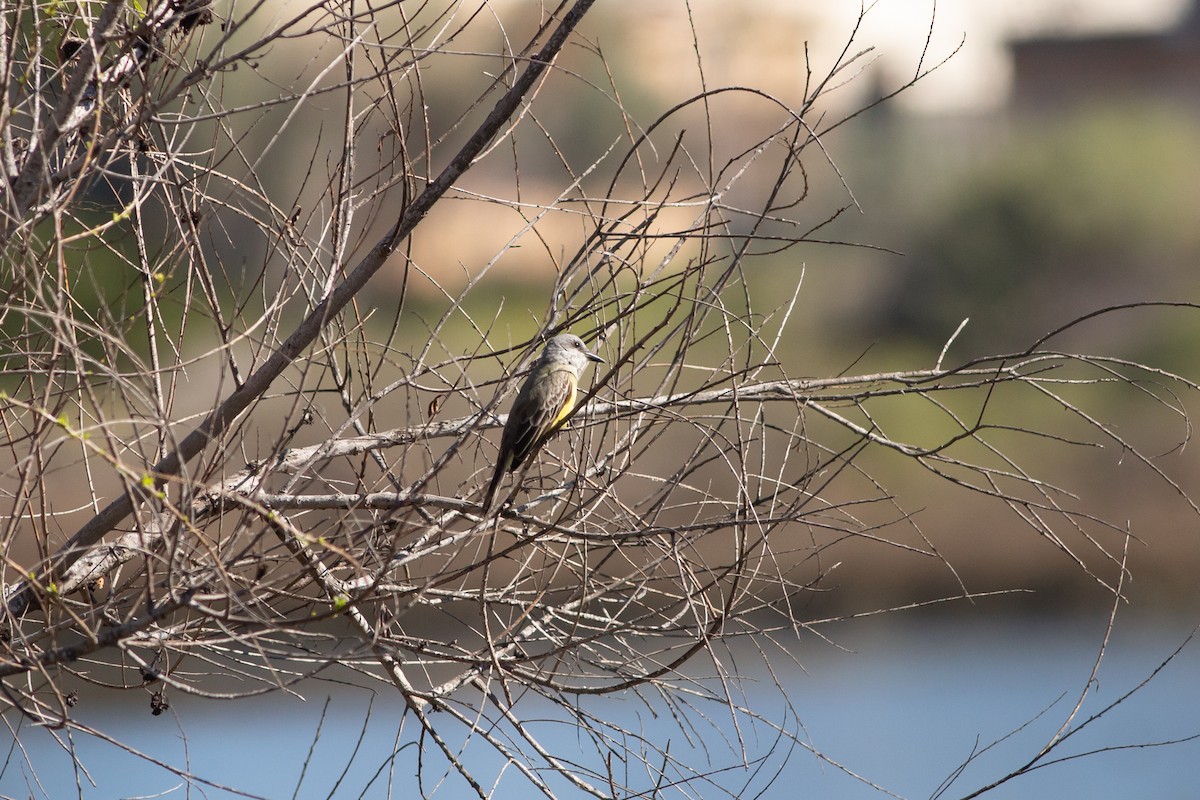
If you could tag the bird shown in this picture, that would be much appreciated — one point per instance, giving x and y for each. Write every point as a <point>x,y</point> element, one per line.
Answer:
<point>546,399</point>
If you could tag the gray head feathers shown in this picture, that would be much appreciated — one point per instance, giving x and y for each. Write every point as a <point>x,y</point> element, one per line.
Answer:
<point>567,348</point>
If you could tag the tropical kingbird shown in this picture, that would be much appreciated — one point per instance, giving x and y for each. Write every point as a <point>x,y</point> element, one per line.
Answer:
<point>546,399</point>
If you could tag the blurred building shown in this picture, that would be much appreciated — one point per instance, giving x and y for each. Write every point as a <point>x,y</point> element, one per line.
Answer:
<point>1157,66</point>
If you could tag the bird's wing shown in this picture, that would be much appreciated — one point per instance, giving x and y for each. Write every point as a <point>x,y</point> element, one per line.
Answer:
<point>540,410</point>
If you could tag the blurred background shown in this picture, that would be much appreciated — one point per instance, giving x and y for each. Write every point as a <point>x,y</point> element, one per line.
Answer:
<point>1050,167</point>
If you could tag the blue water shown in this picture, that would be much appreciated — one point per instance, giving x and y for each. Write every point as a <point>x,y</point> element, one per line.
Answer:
<point>900,703</point>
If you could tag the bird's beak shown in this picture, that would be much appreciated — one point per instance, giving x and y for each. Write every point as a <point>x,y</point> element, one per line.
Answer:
<point>596,358</point>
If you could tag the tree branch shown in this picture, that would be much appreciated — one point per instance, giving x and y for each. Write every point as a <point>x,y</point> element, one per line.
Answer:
<point>308,330</point>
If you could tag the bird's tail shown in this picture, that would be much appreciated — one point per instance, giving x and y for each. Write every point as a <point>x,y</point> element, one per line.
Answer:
<point>501,468</point>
